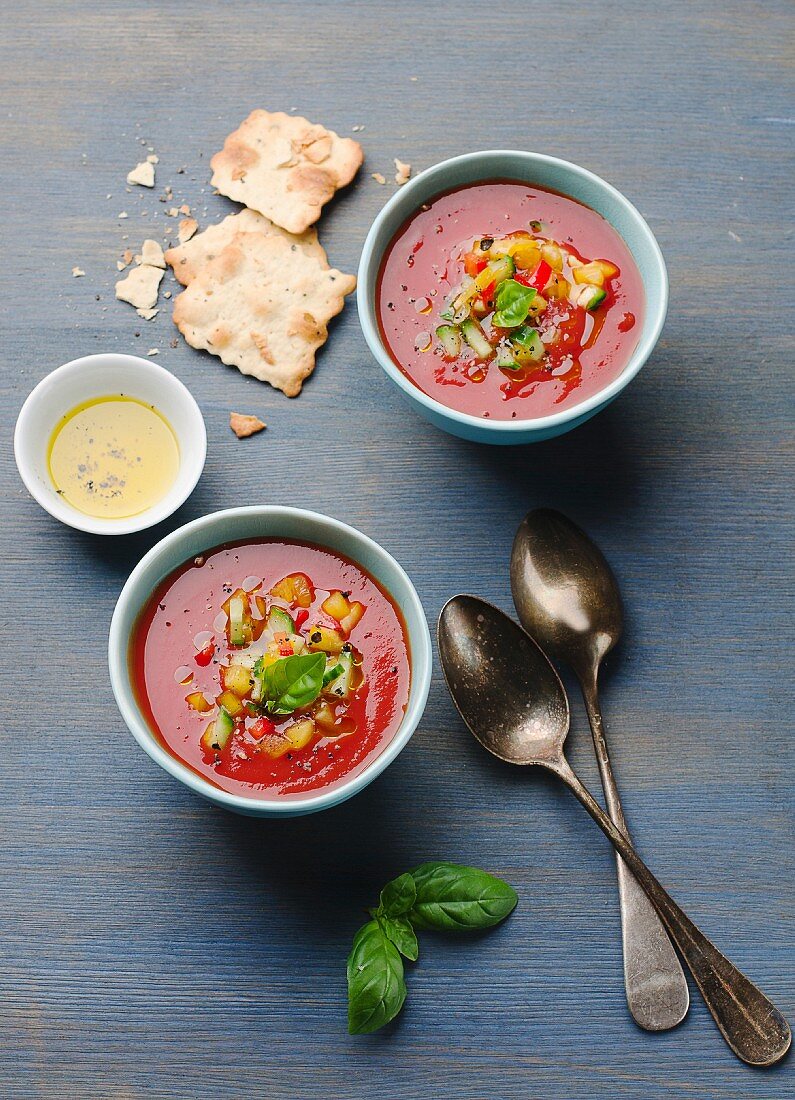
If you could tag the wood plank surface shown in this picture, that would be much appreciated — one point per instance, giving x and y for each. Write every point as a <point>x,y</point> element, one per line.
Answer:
<point>152,946</point>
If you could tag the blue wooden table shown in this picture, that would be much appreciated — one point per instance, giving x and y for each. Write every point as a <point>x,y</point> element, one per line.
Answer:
<point>152,946</point>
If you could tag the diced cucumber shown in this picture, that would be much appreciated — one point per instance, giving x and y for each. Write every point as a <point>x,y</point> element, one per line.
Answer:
<point>591,297</point>
<point>221,730</point>
<point>237,635</point>
<point>507,360</point>
<point>279,620</point>
<point>340,686</point>
<point>474,336</point>
<point>528,344</point>
<point>450,339</point>
<point>332,672</point>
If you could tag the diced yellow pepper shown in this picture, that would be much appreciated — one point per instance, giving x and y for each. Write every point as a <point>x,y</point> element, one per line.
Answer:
<point>336,606</point>
<point>595,272</point>
<point>300,733</point>
<point>294,589</point>
<point>553,256</point>
<point>352,618</point>
<point>230,702</point>
<point>197,700</point>
<point>237,678</point>
<point>525,254</point>
<point>323,639</point>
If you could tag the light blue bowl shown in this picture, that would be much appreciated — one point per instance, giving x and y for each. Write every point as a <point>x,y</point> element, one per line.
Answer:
<point>263,521</point>
<point>541,171</point>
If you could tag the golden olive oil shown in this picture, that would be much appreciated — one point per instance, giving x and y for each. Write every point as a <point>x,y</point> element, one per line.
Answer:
<point>113,457</point>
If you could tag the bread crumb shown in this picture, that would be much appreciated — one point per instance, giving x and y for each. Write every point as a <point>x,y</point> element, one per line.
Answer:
<point>244,425</point>
<point>378,177</point>
<point>143,174</point>
<point>403,172</point>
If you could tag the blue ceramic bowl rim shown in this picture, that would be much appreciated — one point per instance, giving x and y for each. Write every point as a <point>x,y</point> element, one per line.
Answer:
<point>431,182</point>
<point>132,600</point>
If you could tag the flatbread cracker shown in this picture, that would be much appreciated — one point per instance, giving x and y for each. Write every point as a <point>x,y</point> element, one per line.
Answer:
<point>187,259</point>
<point>263,305</point>
<point>285,167</point>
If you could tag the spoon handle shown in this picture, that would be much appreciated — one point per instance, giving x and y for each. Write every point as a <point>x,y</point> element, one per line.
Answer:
<point>751,1025</point>
<point>655,984</point>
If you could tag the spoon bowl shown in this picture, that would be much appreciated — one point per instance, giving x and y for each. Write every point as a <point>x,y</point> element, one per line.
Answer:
<point>523,720</point>
<point>565,591</point>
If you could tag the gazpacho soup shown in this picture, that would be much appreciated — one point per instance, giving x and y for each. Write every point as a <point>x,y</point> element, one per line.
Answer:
<point>509,301</point>
<point>272,667</point>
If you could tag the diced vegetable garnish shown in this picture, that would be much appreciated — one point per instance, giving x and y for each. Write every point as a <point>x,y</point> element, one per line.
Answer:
<point>279,620</point>
<point>197,700</point>
<point>324,639</point>
<point>527,344</point>
<point>236,626</point>
<point>230,703</point>
<point>508,285</point>
<point>336,605</point>
<point>294,589</point>
<point>340,686</point>
<point>205,654</point>
<point>450,339</point>
<point>495,272</point>
<point>475,337</point>
<point>218,732</point>
<point>591,297</point>
<point>238,679</point>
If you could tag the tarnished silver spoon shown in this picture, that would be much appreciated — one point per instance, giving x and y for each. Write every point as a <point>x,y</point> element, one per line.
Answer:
<point>568,601</point>
<point>513,702</point>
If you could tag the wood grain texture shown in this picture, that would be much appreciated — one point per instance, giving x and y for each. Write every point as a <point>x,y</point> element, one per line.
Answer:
<point>155,947</point>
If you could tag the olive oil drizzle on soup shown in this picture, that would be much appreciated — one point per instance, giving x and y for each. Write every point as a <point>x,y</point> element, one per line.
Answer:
<point>509,301</point>
<point>272,667</point>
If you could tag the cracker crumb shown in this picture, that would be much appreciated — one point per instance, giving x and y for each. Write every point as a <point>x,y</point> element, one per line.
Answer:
<point>187,228</point>
<point>143,174</point>
<point>153,158</point>
<point>403,171</point>
<point>244,425</point>
<point>356,129</point>
<point>185,209</point>
<point>147,314</point>
<point>172,212</point>
<point>77,272</point>
<point>152,254</point>
<point>124,214</point>
<point>167,294</point>
<point>127,256</point>
<point>378,177</point>
<point>153,351</point>
<point>120,265</point>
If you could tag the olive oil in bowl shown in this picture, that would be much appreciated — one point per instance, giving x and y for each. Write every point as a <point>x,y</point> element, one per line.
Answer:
<point>113,457</point>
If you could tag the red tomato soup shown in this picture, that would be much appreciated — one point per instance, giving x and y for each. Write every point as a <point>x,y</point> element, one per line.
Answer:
<point>272,667</point>
<point>508,301</point>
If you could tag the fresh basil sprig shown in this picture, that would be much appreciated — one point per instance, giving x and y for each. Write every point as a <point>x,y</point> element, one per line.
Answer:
<point>445,897</point>
<point>513,303</point>
<point>291,682</point>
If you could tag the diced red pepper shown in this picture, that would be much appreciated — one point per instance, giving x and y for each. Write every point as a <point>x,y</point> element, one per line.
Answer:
<point>204,656</point>
<point>474,264</point>
<point>300,617</point>
<point>540,276</point>
<point>263,727</point>
<point>487,293</point>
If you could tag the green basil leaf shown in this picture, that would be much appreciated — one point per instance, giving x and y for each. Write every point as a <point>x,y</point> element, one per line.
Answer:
<point>513,303</point>
<point>376,987</point>
<point>451,898</point>
<point>402,935</point>
<point>293,682</point>
<point>397,897</point>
